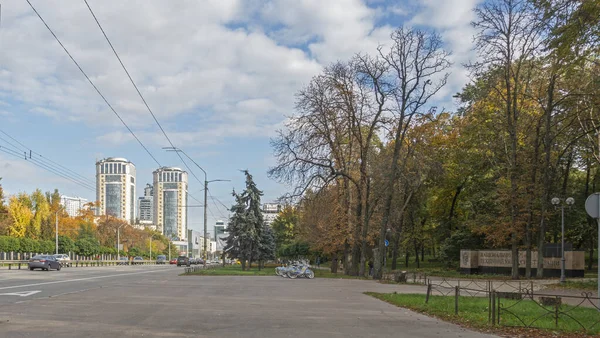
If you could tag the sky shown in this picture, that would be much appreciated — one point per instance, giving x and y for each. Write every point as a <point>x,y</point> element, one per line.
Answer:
<point>219,75</point>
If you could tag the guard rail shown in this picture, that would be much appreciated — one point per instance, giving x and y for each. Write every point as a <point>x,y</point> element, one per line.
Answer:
<point>79,263</point>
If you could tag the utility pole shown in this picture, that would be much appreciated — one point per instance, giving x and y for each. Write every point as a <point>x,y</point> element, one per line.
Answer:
<point>206,182</point>
<point>205,217</point>
<point>56,232</point>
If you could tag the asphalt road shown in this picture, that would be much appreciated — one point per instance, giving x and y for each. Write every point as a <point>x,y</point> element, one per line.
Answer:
<point>154,301</point>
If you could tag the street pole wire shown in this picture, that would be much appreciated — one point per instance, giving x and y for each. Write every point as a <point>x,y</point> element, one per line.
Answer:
<point>43,166</point>
<point>138,91</point>
<point>92,83</point>
<point>45,159</point>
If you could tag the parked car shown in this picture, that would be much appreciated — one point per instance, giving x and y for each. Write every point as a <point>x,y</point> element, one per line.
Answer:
<point>137,260</point>
<point>123,261</point>
<point>183,260</point>
<point>44,262</point>
<point>173,261</point>
<point>200,261</point>
<point>161,259</point>
<point>63,259</point>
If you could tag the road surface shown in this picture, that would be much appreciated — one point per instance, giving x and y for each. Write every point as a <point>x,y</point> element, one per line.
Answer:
<point>154,301</point>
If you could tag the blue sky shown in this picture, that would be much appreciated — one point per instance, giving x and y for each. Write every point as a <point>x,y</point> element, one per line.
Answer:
<point>219,75</point>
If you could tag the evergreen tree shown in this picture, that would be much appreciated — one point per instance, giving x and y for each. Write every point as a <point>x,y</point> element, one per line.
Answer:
<point>267,246</point>
<point>246,225</point>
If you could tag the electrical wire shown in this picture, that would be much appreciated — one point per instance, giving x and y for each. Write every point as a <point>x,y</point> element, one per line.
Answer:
<point>23,155</point>
<point>139,92</point>
<point>92,83</point>
<point>42,158</point>
<point>41,165</point>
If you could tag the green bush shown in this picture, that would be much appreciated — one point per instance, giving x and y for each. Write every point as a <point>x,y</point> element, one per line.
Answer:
<point>9,244</point>
<point>29,245</point>
<point>462,239</point>
<point>65,245</point>
<point>87,247</point>
<point>47,247</point>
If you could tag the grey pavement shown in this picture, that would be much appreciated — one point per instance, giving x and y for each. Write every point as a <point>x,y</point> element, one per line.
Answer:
<point>157,302</point>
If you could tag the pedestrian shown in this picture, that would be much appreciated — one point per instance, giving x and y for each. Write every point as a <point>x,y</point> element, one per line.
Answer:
<point>318,262</point>
<point>370,268</point>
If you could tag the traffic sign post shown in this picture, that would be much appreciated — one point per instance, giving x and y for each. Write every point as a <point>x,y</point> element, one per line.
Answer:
<point>592,207</point>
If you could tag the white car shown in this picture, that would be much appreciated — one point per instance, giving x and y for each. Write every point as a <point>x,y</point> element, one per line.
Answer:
<point>63,259</point>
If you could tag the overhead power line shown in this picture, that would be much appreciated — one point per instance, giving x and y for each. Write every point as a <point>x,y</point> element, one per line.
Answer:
<point>41,165</point>
<point>92,83</point>
<point>139,92</point>
<point>44,159</point>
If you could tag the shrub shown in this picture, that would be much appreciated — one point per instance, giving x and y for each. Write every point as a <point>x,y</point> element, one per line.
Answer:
<point>462,239</point>
<point>8,244</point>
<point>29,245</point>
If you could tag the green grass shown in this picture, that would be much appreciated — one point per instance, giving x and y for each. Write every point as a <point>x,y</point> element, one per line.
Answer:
<point>591,285</point>
<point>473,312</point>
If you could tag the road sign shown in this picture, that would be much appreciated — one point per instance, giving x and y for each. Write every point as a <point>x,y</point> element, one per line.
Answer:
<point>387,243</point>
<point>592,205</point>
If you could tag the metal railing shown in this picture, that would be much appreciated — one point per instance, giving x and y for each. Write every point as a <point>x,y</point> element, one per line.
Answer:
<point>523,304</point>
<point>78,263</point>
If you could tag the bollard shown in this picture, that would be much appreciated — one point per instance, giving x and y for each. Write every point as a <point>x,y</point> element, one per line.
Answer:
<point>428,293</point>
<point>456,294</point>
<point>493,307</point>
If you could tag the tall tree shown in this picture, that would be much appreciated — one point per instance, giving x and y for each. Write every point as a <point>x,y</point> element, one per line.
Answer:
<point>246,225</point>
<point>20,215</point>
<point>418,64</point>
<point>507,37</point>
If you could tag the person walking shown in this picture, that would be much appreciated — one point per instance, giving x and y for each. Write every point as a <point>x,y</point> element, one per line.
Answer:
<point>370,268</point>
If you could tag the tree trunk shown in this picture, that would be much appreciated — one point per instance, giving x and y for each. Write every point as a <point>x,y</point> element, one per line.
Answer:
<point>453,206</point>
<point>243,264</point>
<point>345,263</point>
<point>334,263</point>
<point>417,256</point>
<point>546,179</point>
<point>395,251</point>
<point>406,258</point>
<point>591,253</point>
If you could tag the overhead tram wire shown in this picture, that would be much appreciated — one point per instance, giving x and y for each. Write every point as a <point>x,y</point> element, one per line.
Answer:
<point>92,83</point>
<point>23,155</point>
<point>42,158</point>
<point>52,170</point>
<point>140,93</point>
<point>218,209</point>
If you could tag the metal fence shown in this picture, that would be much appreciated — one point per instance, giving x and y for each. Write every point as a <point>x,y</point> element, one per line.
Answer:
<point>522,304</point>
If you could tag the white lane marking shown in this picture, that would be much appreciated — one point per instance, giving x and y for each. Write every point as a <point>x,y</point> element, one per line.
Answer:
<point>78,279</point>
<point>20,294</point>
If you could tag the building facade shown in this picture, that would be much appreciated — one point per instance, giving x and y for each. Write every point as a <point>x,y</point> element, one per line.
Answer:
<point>270,212</point>
<point>73,205</point>
<point>115,188</point>
<point>170,202</point>
<point>146,206</point>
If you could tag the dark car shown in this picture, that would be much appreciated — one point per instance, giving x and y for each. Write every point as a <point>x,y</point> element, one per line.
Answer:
<point>44,262</point>
<point>183,260</point>
<point>161,259</point>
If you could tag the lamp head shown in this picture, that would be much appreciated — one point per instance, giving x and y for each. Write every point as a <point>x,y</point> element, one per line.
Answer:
<point>555,201</point>
<point>570,201</point>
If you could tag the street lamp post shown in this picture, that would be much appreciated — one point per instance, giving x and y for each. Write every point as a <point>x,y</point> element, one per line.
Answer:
<point>56,232</point>
<point>119,241</point>
<point>206,182</point>
<point>556,202</point>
